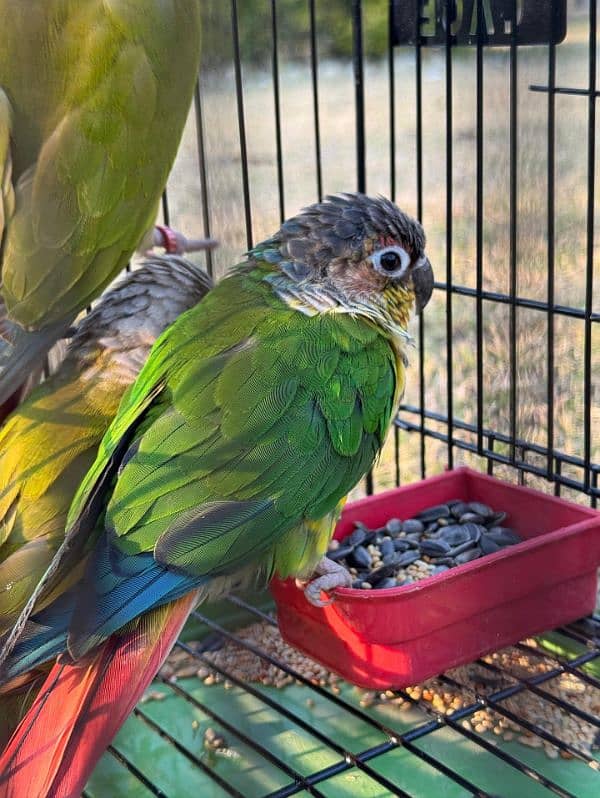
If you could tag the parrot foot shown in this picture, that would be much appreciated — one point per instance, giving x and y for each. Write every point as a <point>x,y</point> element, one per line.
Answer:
<point>175,243</point>
<point>329,575</point>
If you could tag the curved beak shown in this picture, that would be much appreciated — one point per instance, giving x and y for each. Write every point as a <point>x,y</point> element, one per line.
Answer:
<point>422,276</point>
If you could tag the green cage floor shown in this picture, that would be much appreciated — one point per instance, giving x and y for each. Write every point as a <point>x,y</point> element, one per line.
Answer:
<point>300,741</point>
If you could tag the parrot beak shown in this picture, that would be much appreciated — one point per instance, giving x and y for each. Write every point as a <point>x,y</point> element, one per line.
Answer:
<point>422,276</point>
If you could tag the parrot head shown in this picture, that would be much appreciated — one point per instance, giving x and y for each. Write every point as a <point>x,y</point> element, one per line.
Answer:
<point>353,252</point>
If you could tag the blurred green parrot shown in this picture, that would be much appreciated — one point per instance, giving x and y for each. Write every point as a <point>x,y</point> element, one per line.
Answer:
<point>94,95</point>
<point>255,414</point>
<point>50,441</point>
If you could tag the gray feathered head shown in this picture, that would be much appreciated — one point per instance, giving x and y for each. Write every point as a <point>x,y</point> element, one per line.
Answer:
<point>361,244</point>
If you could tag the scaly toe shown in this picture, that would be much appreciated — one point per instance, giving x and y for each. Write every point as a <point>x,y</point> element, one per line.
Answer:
<point>335,577</point>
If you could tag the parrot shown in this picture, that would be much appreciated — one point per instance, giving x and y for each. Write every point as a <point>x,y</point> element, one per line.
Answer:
<point>94,95</point>
<point>50,441</point>
<point>228,462</point>
<point>173,242</point>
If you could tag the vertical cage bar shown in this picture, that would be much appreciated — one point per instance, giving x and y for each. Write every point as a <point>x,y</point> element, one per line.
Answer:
<point>479,222</point>
<point>392,114</point>
<point>314,70</point>
<point>490,461</point>
<point>392,98</point>
<point>397,455</point>
<point>359,94</point>
<point>550,250</point>
<point>239,90</point>
<point>203,173</point>
<point>589,271</point>
<point>513,140</point>
<point>164,201</point>
<point>359,107</point>
<point>419,180</point>
<point>277,104</point>
<point>449,7</point>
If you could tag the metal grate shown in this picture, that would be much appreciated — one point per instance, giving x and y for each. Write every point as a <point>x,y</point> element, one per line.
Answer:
<point>432,431</point>
<point>410,738</point>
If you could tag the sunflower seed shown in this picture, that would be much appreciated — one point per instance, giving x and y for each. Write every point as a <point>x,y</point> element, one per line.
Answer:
<point>394,526</point>
<point>413,527</point>
<point>361,558</point>
<point>435,548</point>
<point>433,513</point>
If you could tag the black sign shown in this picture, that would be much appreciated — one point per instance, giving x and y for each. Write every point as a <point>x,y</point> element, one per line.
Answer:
<point>501,22</point>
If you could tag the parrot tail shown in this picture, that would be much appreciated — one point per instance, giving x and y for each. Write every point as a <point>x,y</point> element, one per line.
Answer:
<point>82,705</point>
<point>21,352</point>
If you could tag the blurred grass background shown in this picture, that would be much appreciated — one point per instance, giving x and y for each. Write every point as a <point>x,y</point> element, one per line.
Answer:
<point>337,127</point>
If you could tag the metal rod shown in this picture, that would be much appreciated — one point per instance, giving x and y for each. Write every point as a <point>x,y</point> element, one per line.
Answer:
<point>513,142</point>
<point>494,701</point>
<point>314,69</point>
<point>135,771</point>
<point>359,94</point>
<point>489,453</point>
<point>141,715</point>
<point>453,721</point>
<point>532,683</point>
<point>203,174</point>
<point>419,187</point>
<point>479,222</point>
<point>565,90</point>
<point>392,100</point>
<point>395,738</point>
<point>550,252</point>
<point>449,6</point>
<point>522,302</point>
<point>239,90</point>
<point>244,738</point>
<point>573,667</point>
<point>589,271</point>
<point>279,150</point>
<point>165,208</point>
<point>349,757</point>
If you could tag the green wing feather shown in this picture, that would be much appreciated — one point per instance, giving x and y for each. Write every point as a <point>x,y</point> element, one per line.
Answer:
<point>100,90</point>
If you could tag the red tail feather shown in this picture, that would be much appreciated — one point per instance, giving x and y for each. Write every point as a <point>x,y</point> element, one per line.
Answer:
<point>81,707</point>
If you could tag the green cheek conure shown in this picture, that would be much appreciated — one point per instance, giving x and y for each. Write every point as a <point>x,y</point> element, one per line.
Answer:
<point>255,414</point>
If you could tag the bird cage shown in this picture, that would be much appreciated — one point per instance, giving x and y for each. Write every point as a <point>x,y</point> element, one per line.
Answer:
<point>478,117</point>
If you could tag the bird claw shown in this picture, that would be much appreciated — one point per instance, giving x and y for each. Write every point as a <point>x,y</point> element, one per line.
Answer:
<point>329,575</point>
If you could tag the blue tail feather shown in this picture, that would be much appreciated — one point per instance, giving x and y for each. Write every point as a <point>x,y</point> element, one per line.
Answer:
<point>43,639</point>
<point>123,586</point>
<point>115,589</point>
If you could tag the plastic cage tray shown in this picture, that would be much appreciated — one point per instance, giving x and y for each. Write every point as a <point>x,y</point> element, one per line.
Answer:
<point>401,636</point>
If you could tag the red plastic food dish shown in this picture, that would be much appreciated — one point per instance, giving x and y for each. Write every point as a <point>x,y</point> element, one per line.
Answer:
<point>403,635</point>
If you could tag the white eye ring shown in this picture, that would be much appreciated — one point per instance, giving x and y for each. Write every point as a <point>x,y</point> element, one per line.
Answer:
<point>395,266</point>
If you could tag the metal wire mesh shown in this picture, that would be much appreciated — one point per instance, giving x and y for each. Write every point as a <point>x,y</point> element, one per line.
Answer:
<point>441,432</point>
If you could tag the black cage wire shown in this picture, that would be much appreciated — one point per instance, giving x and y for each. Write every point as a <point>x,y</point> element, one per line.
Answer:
<point>491,142</point>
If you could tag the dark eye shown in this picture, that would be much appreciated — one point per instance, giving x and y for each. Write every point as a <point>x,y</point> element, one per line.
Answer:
<point>390,261</point>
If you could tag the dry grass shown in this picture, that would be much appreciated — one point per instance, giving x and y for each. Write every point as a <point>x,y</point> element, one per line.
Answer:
<point>338,158</point>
